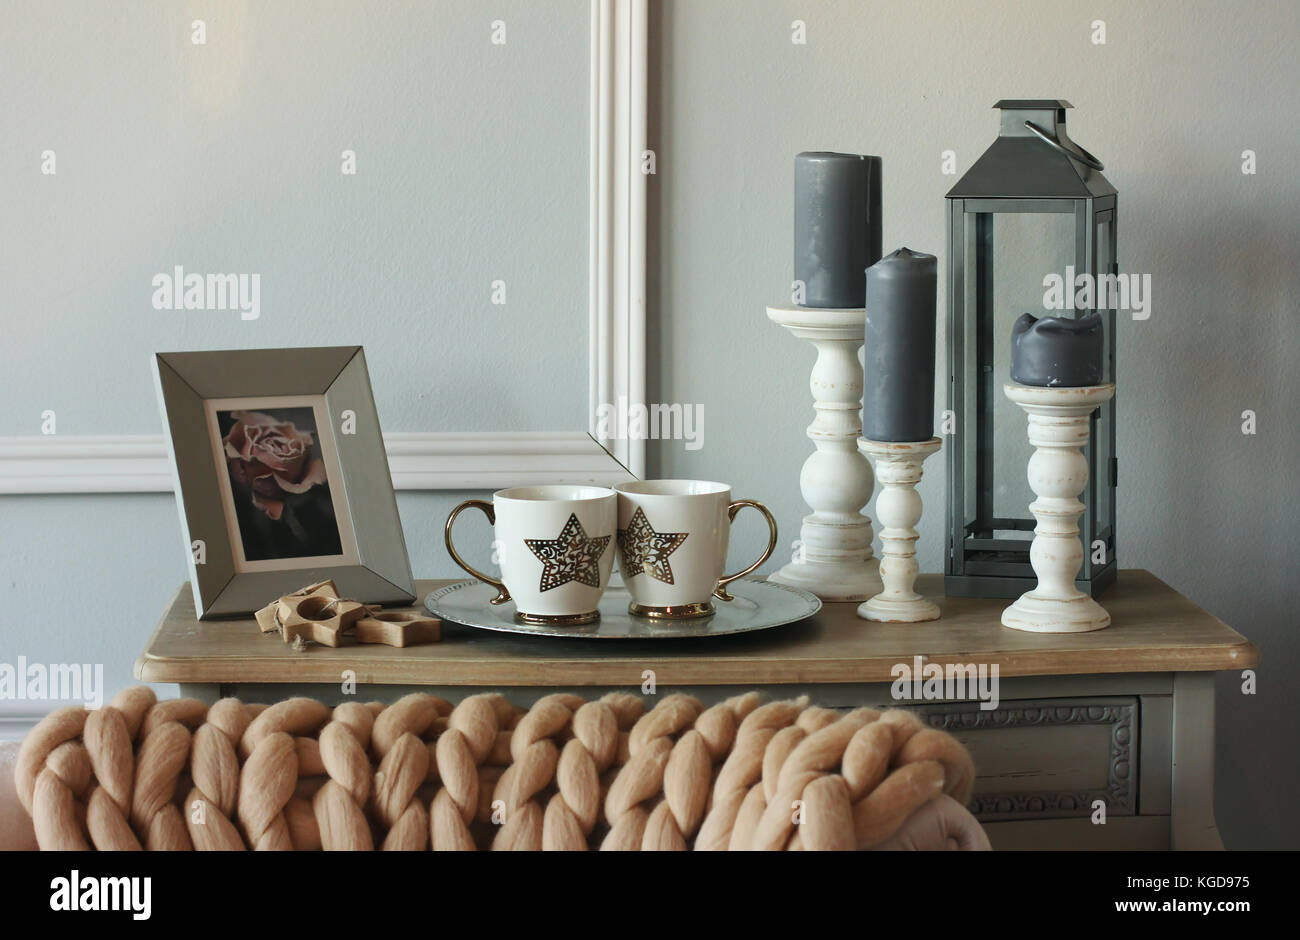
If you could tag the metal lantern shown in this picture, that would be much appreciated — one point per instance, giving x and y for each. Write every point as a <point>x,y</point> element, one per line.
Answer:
<point>1032,209</point>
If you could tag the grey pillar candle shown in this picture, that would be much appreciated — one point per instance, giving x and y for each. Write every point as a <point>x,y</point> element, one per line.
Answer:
<point>836,225</point>
<point>898,381</point>
<point>1057,351</point>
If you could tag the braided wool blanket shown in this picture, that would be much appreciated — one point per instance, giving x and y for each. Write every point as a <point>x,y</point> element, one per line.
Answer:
<point>420,773</point>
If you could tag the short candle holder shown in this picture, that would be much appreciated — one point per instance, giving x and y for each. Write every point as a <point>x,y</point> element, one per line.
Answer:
<point>834,559</point>
<point>1058,429</point>
<point>898,507</point>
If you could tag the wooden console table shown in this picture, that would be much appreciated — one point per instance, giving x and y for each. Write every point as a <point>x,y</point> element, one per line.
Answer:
<point>1124,715</point>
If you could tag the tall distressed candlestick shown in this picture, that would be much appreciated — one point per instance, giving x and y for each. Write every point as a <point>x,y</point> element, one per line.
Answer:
<point>834,559</point>
<point>1058,471</point>
<point>898,507</point>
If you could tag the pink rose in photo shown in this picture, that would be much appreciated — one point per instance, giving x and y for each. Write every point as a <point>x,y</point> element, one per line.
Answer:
<point>272,458</point>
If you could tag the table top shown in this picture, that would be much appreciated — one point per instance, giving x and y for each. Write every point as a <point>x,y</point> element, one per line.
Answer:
<point>1153,629</point>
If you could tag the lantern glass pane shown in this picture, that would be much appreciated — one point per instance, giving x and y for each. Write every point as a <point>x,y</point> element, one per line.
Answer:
<point>1027,247</point>
<point>1102,432</point>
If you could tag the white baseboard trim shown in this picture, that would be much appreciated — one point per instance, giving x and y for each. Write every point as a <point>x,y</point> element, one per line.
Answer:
<point>138,463</point>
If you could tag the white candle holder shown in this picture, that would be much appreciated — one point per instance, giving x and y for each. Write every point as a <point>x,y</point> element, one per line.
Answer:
<point>834,559</point>
<point>898,507</point>
<point>1058,429</point>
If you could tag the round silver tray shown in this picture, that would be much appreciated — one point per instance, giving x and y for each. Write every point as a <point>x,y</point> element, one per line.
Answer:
<point>758,605</point>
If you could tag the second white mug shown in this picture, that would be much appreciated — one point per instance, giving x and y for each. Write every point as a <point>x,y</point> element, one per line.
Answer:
<point>672,545</point>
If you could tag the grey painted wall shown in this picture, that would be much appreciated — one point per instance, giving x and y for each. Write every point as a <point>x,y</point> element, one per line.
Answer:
<point>471,166</point>
<point>1170,101</point>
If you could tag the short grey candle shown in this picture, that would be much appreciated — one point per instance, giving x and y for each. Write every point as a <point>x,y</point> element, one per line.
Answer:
<point>1057,351</point>
<point>836,225</point>
<point>898,382</point>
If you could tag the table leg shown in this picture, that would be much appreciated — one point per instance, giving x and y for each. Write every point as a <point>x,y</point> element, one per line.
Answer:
<point>1193,825</point>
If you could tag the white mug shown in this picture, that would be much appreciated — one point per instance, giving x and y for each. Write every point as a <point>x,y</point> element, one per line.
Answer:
<point>672,544</point>
<point>555,546</point>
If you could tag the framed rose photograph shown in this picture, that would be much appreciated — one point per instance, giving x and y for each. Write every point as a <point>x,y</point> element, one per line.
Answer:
<point>279,458</point>
<point>281,476</point>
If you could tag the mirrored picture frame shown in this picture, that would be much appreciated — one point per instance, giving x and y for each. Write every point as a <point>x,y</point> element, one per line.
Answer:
<point>281,476</point>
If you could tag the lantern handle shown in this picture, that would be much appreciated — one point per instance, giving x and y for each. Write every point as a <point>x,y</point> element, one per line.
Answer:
<point>1082,156</point>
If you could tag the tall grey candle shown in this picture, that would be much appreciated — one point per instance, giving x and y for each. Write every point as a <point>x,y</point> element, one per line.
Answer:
<point>836,225</point>
<point>898,386</point>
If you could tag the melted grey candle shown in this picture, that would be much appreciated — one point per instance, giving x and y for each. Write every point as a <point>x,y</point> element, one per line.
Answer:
<point>836,225</point>
<point>898,381</point>
<point>1057,351</point>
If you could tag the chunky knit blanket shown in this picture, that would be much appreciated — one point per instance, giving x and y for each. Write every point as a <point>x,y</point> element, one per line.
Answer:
<point>424,774</point>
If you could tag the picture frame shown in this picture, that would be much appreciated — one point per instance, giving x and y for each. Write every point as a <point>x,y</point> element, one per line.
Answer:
<point>281,476</point>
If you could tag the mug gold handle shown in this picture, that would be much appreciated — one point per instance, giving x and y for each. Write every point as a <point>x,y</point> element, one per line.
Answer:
<point>502,594</point>
<point>720,592</point>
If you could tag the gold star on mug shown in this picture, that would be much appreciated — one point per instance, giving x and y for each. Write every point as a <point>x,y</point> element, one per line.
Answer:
<point>573,556</point>
<point>642,549</point>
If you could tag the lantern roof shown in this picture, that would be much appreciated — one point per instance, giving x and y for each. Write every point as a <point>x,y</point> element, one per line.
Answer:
<point>1033,158</point>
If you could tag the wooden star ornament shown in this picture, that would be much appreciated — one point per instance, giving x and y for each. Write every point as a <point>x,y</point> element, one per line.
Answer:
<point>321,619</point>
<point>266,617</point>
<point>398,628</point>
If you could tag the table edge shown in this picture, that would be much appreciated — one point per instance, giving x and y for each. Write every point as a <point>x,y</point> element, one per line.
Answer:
<point>241,670</point>
<point>149,667</point>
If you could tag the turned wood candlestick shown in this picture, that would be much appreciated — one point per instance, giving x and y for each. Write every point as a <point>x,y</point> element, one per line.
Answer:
<point>898,507</point>
<point>1058,471</point>
<point>834,559</point>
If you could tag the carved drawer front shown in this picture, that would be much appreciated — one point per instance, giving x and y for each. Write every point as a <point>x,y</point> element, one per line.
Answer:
<point>1047,759</point>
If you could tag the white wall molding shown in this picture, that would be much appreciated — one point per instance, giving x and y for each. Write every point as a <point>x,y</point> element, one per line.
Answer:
<point>418,461</point>
<point>619,34</point>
